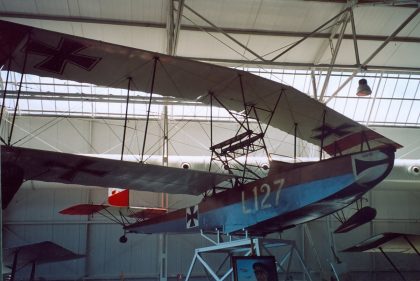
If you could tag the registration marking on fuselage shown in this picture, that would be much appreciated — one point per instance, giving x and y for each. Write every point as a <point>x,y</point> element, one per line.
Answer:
<point>262,196</point>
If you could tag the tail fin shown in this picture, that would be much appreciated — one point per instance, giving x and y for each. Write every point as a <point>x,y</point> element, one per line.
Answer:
<point>118,197</point>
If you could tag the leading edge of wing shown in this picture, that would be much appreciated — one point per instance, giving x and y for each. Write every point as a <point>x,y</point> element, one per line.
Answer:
<point>39,52</point>
<point>66,168</point>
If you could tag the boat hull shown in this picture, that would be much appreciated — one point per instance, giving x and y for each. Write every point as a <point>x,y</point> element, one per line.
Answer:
<point>282,199</point>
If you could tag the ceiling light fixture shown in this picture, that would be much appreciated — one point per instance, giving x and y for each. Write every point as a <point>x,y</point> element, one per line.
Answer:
<point>363,90</point>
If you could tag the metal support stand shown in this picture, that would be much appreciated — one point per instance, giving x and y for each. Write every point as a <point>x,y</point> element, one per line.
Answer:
<point>246,246</point>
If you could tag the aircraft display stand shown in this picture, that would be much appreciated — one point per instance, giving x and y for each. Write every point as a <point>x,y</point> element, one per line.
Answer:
<point>246,246</point>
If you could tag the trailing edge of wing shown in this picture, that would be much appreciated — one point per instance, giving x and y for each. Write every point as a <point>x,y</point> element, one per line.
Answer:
<point>32,50</point>
<point>388,242</point>
<point>49,166</point>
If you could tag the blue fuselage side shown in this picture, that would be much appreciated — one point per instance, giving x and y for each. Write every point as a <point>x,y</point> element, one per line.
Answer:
<point>280,200</point>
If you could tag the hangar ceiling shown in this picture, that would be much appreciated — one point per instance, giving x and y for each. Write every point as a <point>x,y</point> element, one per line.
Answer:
<point>320,47</point>
<point>242,32</point>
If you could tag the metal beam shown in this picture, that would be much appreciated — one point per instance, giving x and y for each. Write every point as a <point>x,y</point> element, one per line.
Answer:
<point>344,21</point>
<point>364,64</point>
<point>306,37</point>
<point>260,32</point>
<point>353,30</point>
<point>177,28</point>
<point>308,65</point>
<point>170,28</point>
<point>216,28</point>
<point>313,79</point>
<point>332,34</point>
<point>391,3</point>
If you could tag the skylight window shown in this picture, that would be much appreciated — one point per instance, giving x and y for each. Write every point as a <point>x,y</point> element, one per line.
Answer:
<point>395,98</point>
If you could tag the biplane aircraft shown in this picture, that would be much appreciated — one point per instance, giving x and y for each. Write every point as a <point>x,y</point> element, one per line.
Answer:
<point>291,193</point>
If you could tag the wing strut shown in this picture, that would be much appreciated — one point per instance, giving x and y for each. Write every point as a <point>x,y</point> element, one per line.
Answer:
<point>4,96</point>
<point>229,111</point>
<point>148,108</point>
<point>412,245</point>
<point>19,91</point>
<point>295,141</point>
<point>322,133</point>
<point>274,110</point>
<point>126,115</point>
<point>392,264</point>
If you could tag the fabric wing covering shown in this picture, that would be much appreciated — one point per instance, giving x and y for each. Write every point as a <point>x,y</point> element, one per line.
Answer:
<point>66,168</point>
<point>31,50</point>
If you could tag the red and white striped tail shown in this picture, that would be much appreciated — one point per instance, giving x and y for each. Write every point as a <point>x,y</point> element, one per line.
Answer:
<point>118,197</point>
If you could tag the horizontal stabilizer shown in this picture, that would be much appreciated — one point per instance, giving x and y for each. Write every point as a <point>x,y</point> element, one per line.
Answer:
<point>139,213</point>
<point>362,216</point>
<point>83,209</point>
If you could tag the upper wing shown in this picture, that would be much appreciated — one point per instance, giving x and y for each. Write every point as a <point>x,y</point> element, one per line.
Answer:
<point>388,242</point>
<point>35,51</point>
<point>68,168</point>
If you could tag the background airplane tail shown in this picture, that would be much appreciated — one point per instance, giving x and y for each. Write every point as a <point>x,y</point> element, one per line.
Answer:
<point>118,197</point>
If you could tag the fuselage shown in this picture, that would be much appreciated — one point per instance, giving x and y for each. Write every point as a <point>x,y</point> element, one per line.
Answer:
<point>282,199</point>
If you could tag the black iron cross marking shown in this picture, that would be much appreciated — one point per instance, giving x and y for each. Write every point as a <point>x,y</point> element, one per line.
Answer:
<point>326,131</point>
<point>192,216</point>
<point>57,58</point>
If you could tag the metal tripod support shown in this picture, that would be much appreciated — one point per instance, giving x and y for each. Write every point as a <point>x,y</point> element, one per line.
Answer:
<point>246,246</point>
